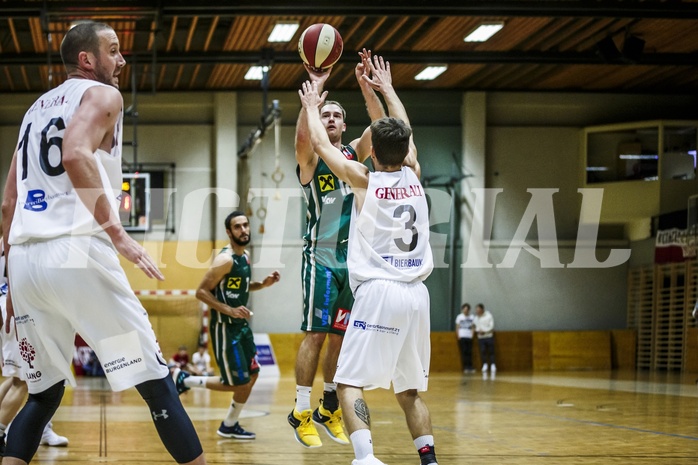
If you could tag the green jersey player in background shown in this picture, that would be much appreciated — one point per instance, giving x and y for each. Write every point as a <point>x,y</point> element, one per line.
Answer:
<point>226,288</point>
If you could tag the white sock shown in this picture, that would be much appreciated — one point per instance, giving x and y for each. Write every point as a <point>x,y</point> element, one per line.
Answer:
<point>303,398</point>
<point>422,441</point>
<point>362,442</point>
<point>196,381</point>
<point>233,413</point>
<point>330,387</point>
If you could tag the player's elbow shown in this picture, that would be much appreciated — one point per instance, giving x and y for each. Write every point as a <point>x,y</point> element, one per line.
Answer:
<point>201,294</point>
<point>72,159</point>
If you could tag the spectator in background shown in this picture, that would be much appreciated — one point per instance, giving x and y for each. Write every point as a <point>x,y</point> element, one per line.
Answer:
<point>464,333</point>
<point>201,361</point>
<point>181,359</point>
<point>484,327</point>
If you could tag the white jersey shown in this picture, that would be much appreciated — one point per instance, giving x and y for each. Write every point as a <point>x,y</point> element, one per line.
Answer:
<point>47,204</point>
<point>464,324</point>
<point>389,237</point>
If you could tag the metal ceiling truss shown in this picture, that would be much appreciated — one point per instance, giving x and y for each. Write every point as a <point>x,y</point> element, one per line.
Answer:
<point>675,9</point>
<point>157,12</point>
<point>278,57</point>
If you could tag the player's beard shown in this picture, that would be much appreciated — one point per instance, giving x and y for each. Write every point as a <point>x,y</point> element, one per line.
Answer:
<point>241,242</point>
<point>104,76</point>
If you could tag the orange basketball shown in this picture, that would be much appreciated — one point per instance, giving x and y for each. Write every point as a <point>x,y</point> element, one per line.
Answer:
<point>320,46</point>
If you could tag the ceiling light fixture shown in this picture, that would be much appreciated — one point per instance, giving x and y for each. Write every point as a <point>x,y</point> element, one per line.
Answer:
<point>256,73</point>
<point>430,72</point>
<point>484,31</point>
<point>283,32</point>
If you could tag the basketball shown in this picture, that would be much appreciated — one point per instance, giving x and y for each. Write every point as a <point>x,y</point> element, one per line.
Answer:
<point>320,46</point>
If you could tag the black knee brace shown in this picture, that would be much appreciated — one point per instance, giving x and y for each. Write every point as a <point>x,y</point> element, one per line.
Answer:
<point>25,435</point>
<point>175,428</point>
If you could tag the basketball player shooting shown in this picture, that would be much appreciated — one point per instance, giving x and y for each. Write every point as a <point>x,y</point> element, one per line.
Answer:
<point>389,258</point>
<point>327,302</point>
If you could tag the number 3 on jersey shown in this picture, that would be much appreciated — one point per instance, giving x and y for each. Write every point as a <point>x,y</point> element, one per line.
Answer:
<point>409,226</point>
<point>56,125</point>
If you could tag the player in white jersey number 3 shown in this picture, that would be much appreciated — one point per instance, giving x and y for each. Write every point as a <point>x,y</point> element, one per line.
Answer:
<point>389,257</point>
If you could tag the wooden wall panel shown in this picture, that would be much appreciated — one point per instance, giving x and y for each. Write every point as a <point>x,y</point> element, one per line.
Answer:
<point>572,350</point>
<point>445,355</point>
<point>514,350</point>
<point>691,359</point>
<point>285,348</point>
<point>623,349</point>
<point>176,321</point>
<point>183,263</point>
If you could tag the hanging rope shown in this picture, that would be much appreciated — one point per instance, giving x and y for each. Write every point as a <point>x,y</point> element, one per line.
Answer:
<point>277,176</point>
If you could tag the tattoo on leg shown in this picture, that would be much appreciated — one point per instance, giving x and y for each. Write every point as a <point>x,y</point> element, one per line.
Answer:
<point>361,410</point>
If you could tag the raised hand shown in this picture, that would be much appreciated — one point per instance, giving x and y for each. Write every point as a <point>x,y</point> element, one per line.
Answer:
<point>362,67</point>
<point>309,94</point>
<point>319,76</point>
<point>380,78</point>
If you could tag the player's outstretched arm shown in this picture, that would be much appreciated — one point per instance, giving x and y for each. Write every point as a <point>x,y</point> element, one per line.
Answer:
<point>378,76</point>
<point>270,280</point>
<point>354,174</point>
<point>374,106</point>
<point>305,156</point>
<point>381,80</point>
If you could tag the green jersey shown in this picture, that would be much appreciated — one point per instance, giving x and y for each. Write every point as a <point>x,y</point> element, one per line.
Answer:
<point>234,288</point>
<point>329,203</point>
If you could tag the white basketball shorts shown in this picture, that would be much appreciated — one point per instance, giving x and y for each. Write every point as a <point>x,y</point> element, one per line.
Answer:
<point>388,337</point>
<point>76,284</point>
<point>11,362</point>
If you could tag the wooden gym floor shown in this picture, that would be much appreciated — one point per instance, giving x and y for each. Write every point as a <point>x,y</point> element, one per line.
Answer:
<point>556,418</point>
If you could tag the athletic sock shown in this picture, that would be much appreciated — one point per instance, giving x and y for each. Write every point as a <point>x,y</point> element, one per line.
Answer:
<point>330,400</point>
<point>196,381</point>
<point>303,398</point>
<point>362,443</point>
<point>425,447</point>
<point>233,413</point>
<point>330,387</point>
